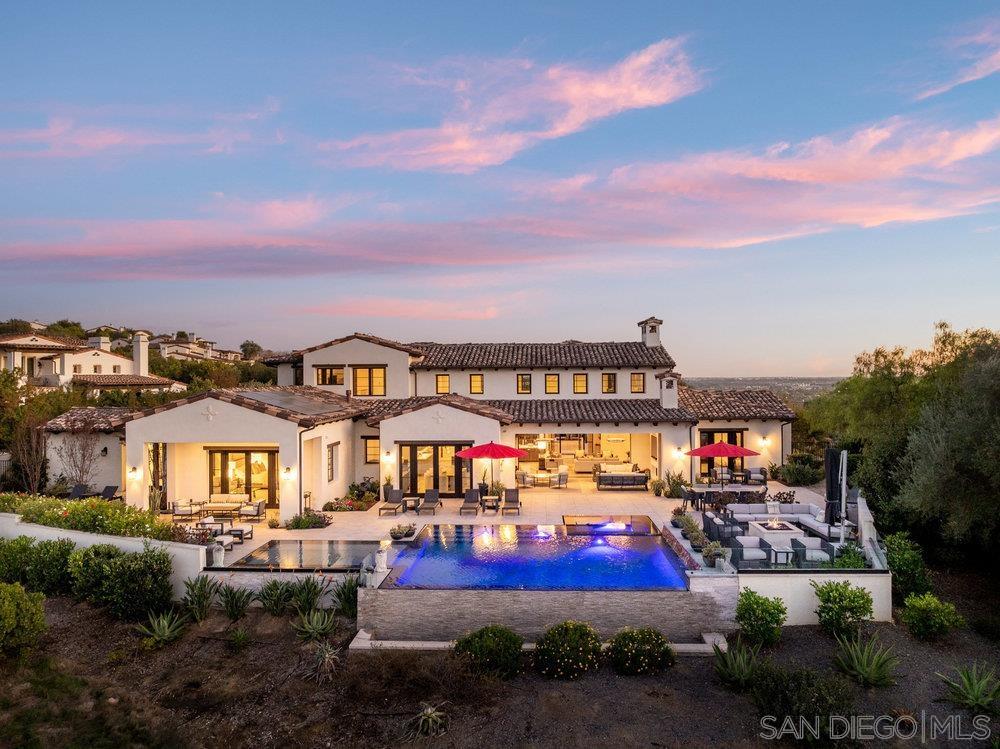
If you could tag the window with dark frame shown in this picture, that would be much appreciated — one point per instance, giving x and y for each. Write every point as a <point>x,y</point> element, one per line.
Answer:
<point>609,382</point>
<point>442,384</point>
<point>476,384</point>
<point>580,383</point>
<point>371,449</point>
<point>77,369</point>
<point>116,369</point>
<point>369,380</point>
<point>329,375</point>
<point>523,384</point>
<point>638,382</point>
<point>332,458</point>
<point>551,384</point>
<point>97,369</point>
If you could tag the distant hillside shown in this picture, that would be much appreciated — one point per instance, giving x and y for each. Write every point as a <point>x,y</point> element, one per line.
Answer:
<point>793,390</point>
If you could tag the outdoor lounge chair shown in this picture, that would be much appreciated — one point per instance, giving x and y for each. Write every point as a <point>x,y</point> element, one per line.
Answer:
<point>432,500</point>
<point>109,492</point>
<point>756,476</point>
<point>78,491</point>
<point>812,552</point>
<point>750,552</point>
<point>471,502</point>
<point>215,527</point>
<point>690,497</point>
<point>511,501</point>
<point>241,532</point>
<point>721,474</point>
<point>393,502</point>
<point>253,512</point>
<point>186,512</point>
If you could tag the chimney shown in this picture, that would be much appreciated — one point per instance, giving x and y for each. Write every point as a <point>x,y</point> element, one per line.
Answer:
<point>651,331</point>
<point>669,382</point>
<point>101,342</point>
<point>140,353</point>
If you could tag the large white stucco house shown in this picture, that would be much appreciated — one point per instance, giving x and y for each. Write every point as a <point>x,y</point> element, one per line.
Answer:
<point>362,406</point>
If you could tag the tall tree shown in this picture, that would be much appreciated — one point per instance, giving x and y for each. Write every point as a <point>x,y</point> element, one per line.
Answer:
<point>250,349</point>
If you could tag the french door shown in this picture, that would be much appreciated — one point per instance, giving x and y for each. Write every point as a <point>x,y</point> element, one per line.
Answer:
<point>434,466</point>
<point>709,437</point>
<point>251,472</point>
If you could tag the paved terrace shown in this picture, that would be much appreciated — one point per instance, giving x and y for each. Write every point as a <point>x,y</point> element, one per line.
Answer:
<point>539,506</point>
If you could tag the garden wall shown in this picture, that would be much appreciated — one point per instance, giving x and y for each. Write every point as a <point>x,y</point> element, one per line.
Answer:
<point>188,559</point>
<point>795,589</point>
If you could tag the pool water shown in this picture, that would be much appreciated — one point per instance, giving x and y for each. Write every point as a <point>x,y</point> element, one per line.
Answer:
<point>298,556</point>
<point>535,557</point>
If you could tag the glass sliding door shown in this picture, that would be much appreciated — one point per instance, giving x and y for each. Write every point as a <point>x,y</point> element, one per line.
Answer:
<point>707,437</point>
<point>250,472</point>
<point>434,466</point>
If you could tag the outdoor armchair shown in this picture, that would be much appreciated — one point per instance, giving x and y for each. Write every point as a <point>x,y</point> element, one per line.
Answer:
<point>812,552</point>
<point>750,552</point>
<point>254,512</point>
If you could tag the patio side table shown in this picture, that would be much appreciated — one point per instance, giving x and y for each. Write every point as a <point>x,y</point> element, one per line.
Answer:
<point>782,555</point>
<point>410,503</point>
<point>491,502</point>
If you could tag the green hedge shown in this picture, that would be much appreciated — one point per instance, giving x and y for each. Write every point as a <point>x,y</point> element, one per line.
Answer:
<point>41,566</point>
<point>493,650</point>
<point>138,584</point>
<point>89,568</point>
<point>22,618</point>
<point>94,516</point>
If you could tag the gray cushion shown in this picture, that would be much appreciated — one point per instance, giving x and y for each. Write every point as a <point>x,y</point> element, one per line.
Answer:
<point>817,555</point>
<point>754,554</point>
<point>743,518</point>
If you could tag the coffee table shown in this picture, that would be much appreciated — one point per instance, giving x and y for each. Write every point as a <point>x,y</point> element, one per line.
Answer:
<point>539,478</point>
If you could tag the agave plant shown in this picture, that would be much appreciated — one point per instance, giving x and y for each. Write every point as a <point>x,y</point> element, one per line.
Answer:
<point>308,592</point>
<point>737,666</point>
<point>199,594</point>
<point>326,659</point>
<point>275,596</point>
<point>868,663</point>
<point>235,601</point>
<point>345,593</point>
<point>162,628</point>
<point>315,624</point>
<point>429,722</point>
<point>976,689</point>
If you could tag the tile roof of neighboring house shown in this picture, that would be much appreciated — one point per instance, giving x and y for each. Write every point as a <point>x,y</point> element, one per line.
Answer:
<point>289,358</point>
<point>84,349</point>
<point>122,380</point>
<point>88,418</point>
<point>592,410</point>
<point>734,404</point>
<point>397,407</point>
<point>365,337</point>
<point>541,355</point>
<point>306,406</point>
<point>55,342</point>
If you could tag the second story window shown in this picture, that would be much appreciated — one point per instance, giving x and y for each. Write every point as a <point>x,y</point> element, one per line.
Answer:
<point>551,384</point>
<point>609,382</point>
<point>329,375</point>
<point>97,369</point>
<point>476,385</point>
<point>638,382</point>
<point>369,380</point>
<point>580,384</point>
<point>371,449</point>
<point>77,369</point>
<point>442,384</point>
<point>524,384</point>
<point>117,369</point>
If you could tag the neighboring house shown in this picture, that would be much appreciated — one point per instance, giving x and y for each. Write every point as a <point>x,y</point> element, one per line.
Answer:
<point>390,410</point>
<point>193,348</point>
<point>55,362</point>
<point>103,452</point>
<point>37,326</point>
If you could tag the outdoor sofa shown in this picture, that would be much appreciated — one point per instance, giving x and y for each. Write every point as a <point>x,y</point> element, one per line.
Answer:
<point>620,476</point>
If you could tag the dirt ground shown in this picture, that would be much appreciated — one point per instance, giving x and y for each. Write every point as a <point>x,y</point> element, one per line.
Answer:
<point>93,684</point>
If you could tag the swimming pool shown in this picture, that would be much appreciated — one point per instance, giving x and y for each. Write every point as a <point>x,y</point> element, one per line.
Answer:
<point>535,557</point>
<point>306,556</point>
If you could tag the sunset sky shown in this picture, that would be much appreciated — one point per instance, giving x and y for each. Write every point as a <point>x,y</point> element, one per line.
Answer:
<point>785,184</point>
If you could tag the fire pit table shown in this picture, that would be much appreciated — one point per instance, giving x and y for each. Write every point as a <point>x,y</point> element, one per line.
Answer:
<point>775,532</point>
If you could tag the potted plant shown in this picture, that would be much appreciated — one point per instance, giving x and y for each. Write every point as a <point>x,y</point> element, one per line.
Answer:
<point>484,487</point>
<point>401,531</point>
<point>386,488</point>
<point>657,485</point>
<point>496,489</point>
<point>712,552</point>
<point>676,519</point>
<point>697,539</point>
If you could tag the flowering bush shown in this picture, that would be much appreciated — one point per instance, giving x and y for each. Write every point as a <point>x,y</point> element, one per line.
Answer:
<point>759,617</point>
<point>11,501</point>
<point>640,651</point>
<point>308,519</point>
<point>95,516</point>
<point>352,503</point>
<point>567,651</point>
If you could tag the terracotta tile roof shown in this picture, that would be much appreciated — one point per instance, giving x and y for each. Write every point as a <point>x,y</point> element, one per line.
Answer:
<point>88,418</point>
<point>381,410</point>
<point>734,404</point>
<point>122,380</point>
<point>592,410</point>
<point>541,355</point>
<point>289,358</point>
<point>45,342</point>
<point>306,406</point>
<point>365,337</point>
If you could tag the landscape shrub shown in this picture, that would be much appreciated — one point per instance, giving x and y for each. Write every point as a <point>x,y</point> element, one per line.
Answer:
<point>48,567</point>
<point>235,601</point>
<point>328,507</point>
<point>275,596</point>
<point>239,639</point>
<point>88,570</point>
<point>22,618</point>
<point>95,516</point>
<point>801,694</point>
<point>137,584</point>
<point>314,625</point>
<point>850,557</point>
<point>842,607</point>
<point>976,688</point>
<point>640,651</point>
<point>567,651</point>
<point>199,594</point>
<point>308,519</point>
<point>11,501</point>
<point>798,474</point>
<point>307,592</point>
<point>345,596</point>
<point>324,664</point>
<point>760,618</point>
<point>867,663</point>
<point>162,629</point>
<point>676,483</point>
<point>15,557</point>
<point>928,618</point>
<point>737,665</point>
<point>906,561</point>
<point>492,650</point>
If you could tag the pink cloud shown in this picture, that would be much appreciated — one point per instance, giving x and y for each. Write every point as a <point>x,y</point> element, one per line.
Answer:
<point>283,213</point>
<point>983,47</point>
<point>419,309</point>
<point>518,105</point>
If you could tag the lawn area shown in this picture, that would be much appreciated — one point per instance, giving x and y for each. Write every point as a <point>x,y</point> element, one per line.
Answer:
<point>93,683</point>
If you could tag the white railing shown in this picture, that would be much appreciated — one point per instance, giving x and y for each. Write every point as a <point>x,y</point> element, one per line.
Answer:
<point>868,536</point>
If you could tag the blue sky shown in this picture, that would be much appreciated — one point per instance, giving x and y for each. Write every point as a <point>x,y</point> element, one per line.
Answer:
<point>786,184</point>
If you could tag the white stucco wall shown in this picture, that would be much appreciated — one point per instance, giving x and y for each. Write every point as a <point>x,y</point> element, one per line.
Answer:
<point>286,374</point>
<point>765,437</point>
<point>439,423</point>
<point>799,597</point>
<point>358,352</point>
<point>108,469</point>
<point>502,384</point>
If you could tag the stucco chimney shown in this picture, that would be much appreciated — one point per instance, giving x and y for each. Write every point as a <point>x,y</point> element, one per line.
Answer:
<point>140,354</point>
<point>651,331</point>
<point>101,342</point>
<point>669,382</point>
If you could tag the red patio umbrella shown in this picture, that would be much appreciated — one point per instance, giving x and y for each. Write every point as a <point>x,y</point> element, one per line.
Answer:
<point>491,451</point>
<point>720,450</point>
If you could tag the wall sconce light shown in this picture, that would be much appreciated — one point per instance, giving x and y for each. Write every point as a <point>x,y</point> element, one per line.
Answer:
<point>104,451</point>
<point>134,473</point>
<point>287,473</point>
<point>388,457</point>
<point>542,444</point>
<point>765,441</point>
<point>678,453</point>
